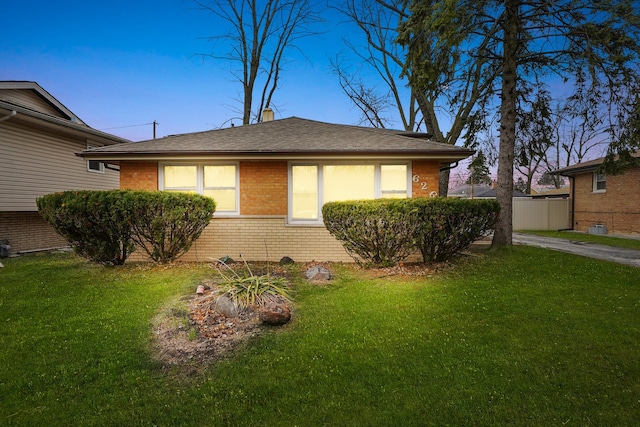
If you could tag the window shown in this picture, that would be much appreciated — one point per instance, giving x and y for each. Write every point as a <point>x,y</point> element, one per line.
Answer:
<point>312,185</point>
<point>217,181</point>
<point>599,182</point>
<point>94,165</point>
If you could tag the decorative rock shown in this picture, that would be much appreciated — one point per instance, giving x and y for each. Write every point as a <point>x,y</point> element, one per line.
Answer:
<point>275,314</point>
<point>1,265</point>
<point>318,272</point>
<point>286,261</point>
<point>225,305</point>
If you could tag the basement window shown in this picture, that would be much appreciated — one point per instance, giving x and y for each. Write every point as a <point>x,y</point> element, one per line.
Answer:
<point>599,182</point>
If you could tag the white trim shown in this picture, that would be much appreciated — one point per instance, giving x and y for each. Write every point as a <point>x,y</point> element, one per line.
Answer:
<point>200,181</point>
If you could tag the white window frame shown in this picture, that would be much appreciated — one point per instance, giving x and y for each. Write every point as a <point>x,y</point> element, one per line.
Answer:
<point>89,162</point>
<point>200,180</point>
<point>599,177</point>
<point>320,171</point>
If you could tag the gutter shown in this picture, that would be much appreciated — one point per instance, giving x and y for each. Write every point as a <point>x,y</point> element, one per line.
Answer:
<point>449,167</point>
<point>8,116</point>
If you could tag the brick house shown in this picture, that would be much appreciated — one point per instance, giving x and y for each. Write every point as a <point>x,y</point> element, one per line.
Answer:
<point>39,138</point>
<point>271,179</point>
<point>598,199</point>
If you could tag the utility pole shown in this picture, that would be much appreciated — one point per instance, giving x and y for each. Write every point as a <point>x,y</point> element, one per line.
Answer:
<point>154,129</point>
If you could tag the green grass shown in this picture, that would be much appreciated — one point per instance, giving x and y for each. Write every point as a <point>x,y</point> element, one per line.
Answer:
<point>522,336</point>
<point>619,242</point>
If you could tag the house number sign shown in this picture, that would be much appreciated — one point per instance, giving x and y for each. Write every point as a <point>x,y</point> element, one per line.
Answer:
<point>423,184</point>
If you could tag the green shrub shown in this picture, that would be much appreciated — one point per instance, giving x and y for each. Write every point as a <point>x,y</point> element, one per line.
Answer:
<point>383,232</point>
<point>166,224</point>
<point>447,226</point>
<point>95,223</point>
<point>378,232</point>
<point>104,226</point>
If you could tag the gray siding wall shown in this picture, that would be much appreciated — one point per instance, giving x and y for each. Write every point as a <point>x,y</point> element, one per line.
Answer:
<point>34,163</point>
<point>29,99</point>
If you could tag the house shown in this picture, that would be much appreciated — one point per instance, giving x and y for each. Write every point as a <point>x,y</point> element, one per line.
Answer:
<point>479,191</point>
<point>271,179</point>
<point>38,140</point>
<point>604,203</point>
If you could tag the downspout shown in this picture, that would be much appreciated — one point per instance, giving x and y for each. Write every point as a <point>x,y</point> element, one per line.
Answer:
<point>572,184</point>
<point>449,167</point>
<point>8,116</point>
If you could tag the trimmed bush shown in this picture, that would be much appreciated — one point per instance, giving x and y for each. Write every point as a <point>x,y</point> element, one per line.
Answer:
<point>95,223</point>
<point>383,232</point>
<point>378,232</point>
<point>447,226</point>
<point>104,226</point>
<point>166,224</point>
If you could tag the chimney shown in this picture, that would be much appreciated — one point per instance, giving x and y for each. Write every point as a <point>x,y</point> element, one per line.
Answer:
<point>267,115</point>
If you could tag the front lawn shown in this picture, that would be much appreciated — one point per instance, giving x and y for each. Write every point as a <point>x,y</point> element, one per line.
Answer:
<point>522,336</point>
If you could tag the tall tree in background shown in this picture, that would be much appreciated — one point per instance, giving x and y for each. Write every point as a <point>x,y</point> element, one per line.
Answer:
<point>479,172</point>
<point>534,125</point>
<point>261,31</point>
<point>446,106</point>
<point>597,41</point>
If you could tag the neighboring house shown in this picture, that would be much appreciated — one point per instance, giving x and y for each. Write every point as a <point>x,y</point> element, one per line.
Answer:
<point>38,140</point>
<point>271,179</point>
<point>604,201</point>
<point>479,191</point>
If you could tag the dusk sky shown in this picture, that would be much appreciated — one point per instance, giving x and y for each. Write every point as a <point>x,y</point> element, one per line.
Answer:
<point>121,65</point>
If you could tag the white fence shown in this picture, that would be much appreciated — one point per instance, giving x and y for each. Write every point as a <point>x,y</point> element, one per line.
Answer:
<point>541,214</point>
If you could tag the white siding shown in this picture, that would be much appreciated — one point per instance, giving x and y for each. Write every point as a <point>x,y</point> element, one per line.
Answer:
<point>34,163</point>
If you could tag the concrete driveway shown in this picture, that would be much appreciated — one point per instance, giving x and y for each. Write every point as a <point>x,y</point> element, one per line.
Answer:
<point>591,250</point>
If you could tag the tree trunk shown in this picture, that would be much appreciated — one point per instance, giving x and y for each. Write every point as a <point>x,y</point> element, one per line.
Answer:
<point>443,184</point>
<point>502,235</point>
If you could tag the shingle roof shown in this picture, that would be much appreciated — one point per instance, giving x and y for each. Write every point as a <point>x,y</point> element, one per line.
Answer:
<point>291,136</point>
<point>583,167</point>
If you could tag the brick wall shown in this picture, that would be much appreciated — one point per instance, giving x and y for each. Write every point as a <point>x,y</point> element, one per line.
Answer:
<point>28,231</point>
<point>424,178</point>
<point>136,175</point>
<point>262,226</point>
<point>263,186</point>
<point>262,239</point>
<point>618,208</point>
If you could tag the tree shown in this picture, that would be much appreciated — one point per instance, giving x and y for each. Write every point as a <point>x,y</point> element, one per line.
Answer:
<point>446,108</point>
<point>534,134</point>
<point>261,32</point>
<point>479,172</point>
<point>567,40</point>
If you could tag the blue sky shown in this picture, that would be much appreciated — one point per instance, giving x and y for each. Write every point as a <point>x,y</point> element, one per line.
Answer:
<point>121,65</point>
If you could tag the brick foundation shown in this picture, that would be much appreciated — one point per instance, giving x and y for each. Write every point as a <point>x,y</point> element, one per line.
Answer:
<point>27,231</point>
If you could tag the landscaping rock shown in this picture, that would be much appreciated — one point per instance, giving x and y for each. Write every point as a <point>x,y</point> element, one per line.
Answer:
<point>286,261</point>
<point>275,314</point>
<point>225,305</point>
<point>318,272</point>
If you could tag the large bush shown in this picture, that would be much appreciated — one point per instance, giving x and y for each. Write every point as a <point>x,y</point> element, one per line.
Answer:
<point>378,232</point>
<point>383,232</point>
<point>104,226</point>
<point>447,226</point>
<point>95,223</point>
<point>166,224</point>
